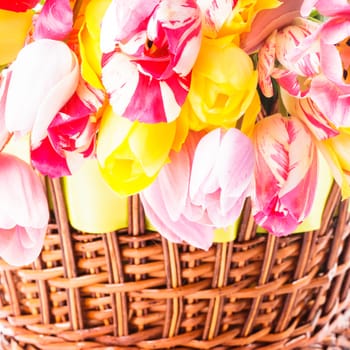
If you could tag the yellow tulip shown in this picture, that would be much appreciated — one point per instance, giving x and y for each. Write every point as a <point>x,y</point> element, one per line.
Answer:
<point>336,152</point>
<point>243,14</point>
<point>14,28</point>
<point>131,154</point>
<point>89,42</point>
<point>223,86</point>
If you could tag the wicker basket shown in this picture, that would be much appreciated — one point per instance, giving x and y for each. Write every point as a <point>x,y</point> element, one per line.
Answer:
<point>133,289</point>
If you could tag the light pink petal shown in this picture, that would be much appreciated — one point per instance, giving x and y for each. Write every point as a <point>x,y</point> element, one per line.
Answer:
<point>333,100</point>
<point>173,182</point>
<point>235,162</point>
<point>21,246</point>
<point>198,235</point>
<point>307,6</point>
<point>23,196</point>
<point>205,156</point>
<point>326,7</point>
<point>55,20</point>
<point>44,76</point>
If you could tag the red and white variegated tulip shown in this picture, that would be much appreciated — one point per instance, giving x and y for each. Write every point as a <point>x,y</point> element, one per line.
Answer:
<point>285,174</point>
<point>43,77</point>
<point>202,188</point>
<point>149,50</point>
<point>24,213</point>
<point>71,135</point>
<point>55,20</point>
<point>291,71</point>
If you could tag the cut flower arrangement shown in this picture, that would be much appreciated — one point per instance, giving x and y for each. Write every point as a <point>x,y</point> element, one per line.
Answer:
<point>195,105</point>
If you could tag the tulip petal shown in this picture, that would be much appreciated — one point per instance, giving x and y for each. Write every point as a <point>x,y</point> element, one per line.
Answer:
<point>15,249</point>
<point>55,20</point>
<point>44,76</point>
<point>18,24</point>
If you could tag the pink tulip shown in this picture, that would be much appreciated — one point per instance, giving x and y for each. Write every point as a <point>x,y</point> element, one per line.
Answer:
<point>281,46</point>
<point>71,136</point>
<point>44,76</point>
<point>18,6</point>
<point>326,7</point>
<point>285,174</point>
<point>266,21</point>
<point>55,20</point>
<point>24,211</point>
<point>202,188</point>
<point>149,50</point>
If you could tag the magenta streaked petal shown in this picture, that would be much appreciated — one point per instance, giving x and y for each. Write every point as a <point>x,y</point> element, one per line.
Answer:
<point>48,161</point>
<point>55,20</point>
<point>4,83</point>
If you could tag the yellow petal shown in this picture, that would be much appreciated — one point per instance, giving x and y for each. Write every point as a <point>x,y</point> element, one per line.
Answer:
<point>14,27</point>
<point>89,42</point>
<point>131,154</point>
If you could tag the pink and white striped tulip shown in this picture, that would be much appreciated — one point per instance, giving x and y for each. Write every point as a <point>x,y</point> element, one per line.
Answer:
<point>202,188</point>
<point>24,213</point>
<point>71,136</point>
<point>281,46</point>
<point>285,174</point>
<point>149,50</point>
<point>43,77</point>
<point>307,111</point>
<point>4,133</point>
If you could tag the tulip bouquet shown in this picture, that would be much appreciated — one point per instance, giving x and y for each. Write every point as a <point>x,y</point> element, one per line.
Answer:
<point>195,105</point>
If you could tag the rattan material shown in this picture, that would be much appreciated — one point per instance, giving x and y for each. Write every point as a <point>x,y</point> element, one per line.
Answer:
<point>133,289</point>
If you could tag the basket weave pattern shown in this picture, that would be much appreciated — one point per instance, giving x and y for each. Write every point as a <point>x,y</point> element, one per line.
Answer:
<point>134,289</point>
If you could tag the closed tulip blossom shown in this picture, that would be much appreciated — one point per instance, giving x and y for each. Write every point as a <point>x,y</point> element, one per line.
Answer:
<point>285,174</point>
<point>149,50</point>
<point>202,188</point>
<point>277,59</point>
<point>43,77</point>
<point>24,211</point>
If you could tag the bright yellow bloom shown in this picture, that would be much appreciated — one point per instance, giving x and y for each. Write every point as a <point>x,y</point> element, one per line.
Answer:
<point>336,152</point>
<point>223,86</point>
<point>14,28</point>
<point>131,154</point>
<point>243,14</point>
<point>89,42</point>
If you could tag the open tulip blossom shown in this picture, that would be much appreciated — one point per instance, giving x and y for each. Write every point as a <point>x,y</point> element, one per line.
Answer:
<point>197,106</point>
